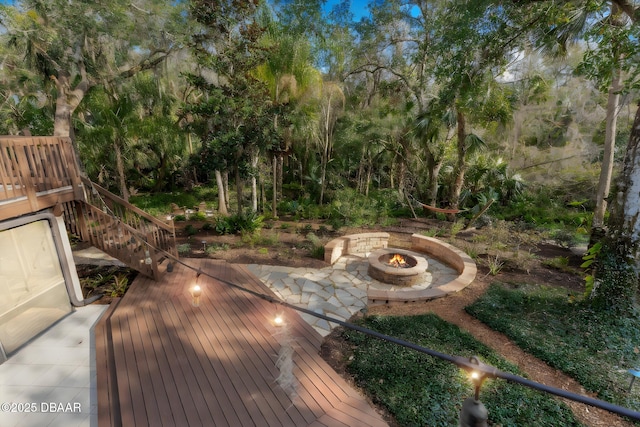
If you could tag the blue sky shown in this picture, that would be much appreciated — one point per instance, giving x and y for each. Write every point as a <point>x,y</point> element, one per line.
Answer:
<point>358,7</point>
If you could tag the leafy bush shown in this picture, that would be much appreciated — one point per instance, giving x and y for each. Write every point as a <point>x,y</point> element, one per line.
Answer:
<point>422,390</point>
<point>239,223</point>
<point>317,248</point>
<point>190,230</point>
<point>223,225</point>
<point>160,203</point>
<point>184,249</point>
<point>302,208</point>
<point>350,208</point>
<point>212,249</point>
<point>198,216</point>
<point>587,345</point>
<point>560,263</point>
<point>247,222</point>
<point>119,286</point>
<point>564,238</point>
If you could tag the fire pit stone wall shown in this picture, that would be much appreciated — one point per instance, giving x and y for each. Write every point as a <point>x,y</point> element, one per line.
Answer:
<point>360,244</point>
<point>380,270</point>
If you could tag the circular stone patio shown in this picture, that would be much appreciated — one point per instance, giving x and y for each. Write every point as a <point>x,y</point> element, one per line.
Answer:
<point>345,288</point>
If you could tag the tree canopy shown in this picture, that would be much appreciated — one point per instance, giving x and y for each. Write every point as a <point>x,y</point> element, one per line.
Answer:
<point>450,102</point>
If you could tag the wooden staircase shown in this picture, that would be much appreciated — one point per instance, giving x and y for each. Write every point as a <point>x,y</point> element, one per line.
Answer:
<point>42,173</point>
<point>120,229</point>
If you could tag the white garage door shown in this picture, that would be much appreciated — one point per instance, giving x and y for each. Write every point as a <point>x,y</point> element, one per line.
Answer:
<point>32,289</point>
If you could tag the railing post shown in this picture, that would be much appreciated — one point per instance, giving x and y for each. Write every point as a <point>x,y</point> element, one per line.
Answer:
<point>153,255</point>
<point>73,167</point>
<point>27,181</point>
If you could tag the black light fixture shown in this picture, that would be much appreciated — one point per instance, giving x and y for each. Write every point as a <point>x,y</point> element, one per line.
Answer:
<point>473,412</point>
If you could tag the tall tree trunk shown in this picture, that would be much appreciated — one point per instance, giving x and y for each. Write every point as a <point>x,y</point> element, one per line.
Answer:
<point>124,192</point>
<point>360,174</point>
<point>606,171</point>
<point>323,177</point>
<point>274,204</point>
<point>368,182</point>
<point>263,196</point>
<point>461,166</point>
<point>222,202</point>
<point>239,186</point>
<point>66,102</point>
<point>433,172</point>
<point>617,265</point>
<point>254,184</point>
<point>225,181</point>
<point>280,174</point>
<point>323,167</point>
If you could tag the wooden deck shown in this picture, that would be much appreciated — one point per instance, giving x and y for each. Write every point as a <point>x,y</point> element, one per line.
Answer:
<point>36,173</point>
<point>162,361</point>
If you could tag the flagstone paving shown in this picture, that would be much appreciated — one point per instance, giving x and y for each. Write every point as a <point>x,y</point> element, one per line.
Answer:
<point>340,290</point>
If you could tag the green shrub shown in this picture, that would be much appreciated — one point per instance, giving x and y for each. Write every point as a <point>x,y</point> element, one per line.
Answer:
<point>179,218</point>
<point>422,390</point>
<point>247,222</point>
<point>564,238</point>
<point>160,203</point>
<point>317,248</point>
<point>208,226</point>
<point>350,208</point>
<point>184,249</point>
<point>212,249</point>
<point>239,223</point>
<point>223,225</point>
<point>119,286</point>
<point>593,347</point>
<point>559,262</point>
<point>190,230</point>
<point>198,216</point>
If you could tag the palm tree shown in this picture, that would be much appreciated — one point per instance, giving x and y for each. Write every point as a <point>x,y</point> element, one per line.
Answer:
<point>291,79</point>
<point>104,136</point>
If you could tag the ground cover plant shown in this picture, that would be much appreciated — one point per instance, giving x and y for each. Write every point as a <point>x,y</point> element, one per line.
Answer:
<point>595,348</point>
<point>419,390</point>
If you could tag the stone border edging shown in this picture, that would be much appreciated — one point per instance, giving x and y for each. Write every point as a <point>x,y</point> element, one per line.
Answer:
<point>367,242</point>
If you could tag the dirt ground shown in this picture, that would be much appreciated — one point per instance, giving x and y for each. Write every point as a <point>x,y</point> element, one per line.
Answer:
<point>288,245</point>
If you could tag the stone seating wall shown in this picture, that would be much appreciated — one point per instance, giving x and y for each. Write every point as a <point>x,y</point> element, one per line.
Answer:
<point>359,244</point>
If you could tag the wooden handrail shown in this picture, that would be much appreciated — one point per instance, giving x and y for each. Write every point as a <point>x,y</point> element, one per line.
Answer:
<point>116,243</point>
<point>109,195</point>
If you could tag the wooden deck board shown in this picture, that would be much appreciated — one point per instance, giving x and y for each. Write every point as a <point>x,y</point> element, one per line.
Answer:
<point>252,365</point>
<point>180,365</point>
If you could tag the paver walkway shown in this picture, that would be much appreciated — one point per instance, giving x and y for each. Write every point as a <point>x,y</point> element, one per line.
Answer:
<point>340,290</point>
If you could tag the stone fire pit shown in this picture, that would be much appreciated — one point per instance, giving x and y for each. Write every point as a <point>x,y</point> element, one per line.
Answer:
<point>400,273</point>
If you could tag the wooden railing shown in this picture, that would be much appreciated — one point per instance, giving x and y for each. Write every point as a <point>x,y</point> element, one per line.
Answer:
<point>36,173</point>
<point>159,233</point>
<point>116,239</point>
<point>122,230</point>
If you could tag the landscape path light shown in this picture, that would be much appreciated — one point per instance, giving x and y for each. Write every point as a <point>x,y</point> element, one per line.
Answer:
<point>473,412</point>
<point>196,292</point>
